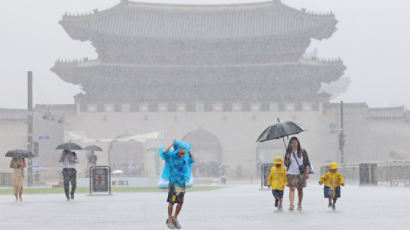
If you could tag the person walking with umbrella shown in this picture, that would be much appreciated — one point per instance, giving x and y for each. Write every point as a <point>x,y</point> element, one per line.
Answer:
<point>18,164</point>
<point>297,161</point>
<point>69,160</point>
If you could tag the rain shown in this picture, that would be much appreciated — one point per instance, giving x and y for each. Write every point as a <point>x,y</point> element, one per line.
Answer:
<point>207,114</point>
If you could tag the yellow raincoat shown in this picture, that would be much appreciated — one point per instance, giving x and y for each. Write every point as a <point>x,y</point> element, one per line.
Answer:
<point>332,180</point>
<point>277,176</point>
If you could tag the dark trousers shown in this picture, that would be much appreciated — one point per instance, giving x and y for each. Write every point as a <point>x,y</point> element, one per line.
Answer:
<point>70,175</point>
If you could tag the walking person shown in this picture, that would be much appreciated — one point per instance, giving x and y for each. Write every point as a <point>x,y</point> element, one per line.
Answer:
<point>177,170</point>
<point>298,165</point>
<point>69,160</point>
<point>277,179</point>
<point>332,181</point>
<point>18,164</point>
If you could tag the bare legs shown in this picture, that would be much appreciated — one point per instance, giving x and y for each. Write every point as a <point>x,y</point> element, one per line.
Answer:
<point>300,197</point>
<point>18,190</point>
<point>177,210</point>
<point>292,198</point>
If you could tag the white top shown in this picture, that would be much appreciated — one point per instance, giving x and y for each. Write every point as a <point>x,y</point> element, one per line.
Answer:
<point>67,164</point>
<point>293,167</point>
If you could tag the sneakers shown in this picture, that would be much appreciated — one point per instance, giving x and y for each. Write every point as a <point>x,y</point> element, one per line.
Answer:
<point>276,203</point>
<point>334,206</point>
<point>329,205</point>
<point>280,207</point>
<point>176,224</point>
<point>72,196</point>
<point>170,224</point>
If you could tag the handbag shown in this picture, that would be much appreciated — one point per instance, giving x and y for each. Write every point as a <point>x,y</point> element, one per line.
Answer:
<point>311,169</point>
<point>302,168</point>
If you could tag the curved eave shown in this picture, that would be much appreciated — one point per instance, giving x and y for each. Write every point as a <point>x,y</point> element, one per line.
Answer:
<point>86,26</point>
<point>326,70</point>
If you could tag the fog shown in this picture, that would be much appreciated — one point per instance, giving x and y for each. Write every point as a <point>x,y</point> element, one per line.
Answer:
<point>164,96</point>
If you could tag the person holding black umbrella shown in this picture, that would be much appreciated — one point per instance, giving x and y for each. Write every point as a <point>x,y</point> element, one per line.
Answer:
<point>18,164</point>
<point>69,160</point>
<point>298,164</point>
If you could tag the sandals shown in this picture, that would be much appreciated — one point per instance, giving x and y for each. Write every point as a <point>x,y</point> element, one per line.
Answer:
<point>177,225</point>
<point>299,207</point>
<point>170,224</point>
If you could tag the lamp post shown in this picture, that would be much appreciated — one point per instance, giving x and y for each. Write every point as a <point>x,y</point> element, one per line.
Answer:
<point>30,126</point>
<point>341,135</point>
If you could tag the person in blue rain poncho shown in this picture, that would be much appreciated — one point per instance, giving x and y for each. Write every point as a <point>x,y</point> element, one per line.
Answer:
<point>177,171</point>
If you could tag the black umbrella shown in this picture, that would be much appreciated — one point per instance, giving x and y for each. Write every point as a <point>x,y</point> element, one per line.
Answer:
<point>69,146</point>
<point>93,148</point>
<point>19,153</point>
<point>280,130</point>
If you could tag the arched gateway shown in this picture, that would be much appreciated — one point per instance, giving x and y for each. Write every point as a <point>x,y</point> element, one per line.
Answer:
<point>208,153</point>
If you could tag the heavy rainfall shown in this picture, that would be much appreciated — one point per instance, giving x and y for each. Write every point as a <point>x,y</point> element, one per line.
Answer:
<point>218,114</point>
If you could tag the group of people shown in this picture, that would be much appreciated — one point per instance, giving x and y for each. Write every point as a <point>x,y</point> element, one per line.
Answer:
<point>178,165</point>
<point>177,170</point>
<point>295,175</point>
<point>68,159</point>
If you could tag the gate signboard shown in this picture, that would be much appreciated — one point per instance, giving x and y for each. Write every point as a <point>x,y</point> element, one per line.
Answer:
<point>100,180</point>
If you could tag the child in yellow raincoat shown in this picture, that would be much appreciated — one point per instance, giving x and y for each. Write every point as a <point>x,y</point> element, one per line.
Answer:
<point>277,179</point>
<point>332,180</point>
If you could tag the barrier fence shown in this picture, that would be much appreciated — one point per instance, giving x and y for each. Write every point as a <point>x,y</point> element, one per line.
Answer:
<point>6,179</point>
<point>388,173</point>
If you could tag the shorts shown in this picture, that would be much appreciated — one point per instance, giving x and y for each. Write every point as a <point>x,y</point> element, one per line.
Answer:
<point>277,193</point>
<point>175,194</point>
<point>298,181</point>
<point>329,194</point>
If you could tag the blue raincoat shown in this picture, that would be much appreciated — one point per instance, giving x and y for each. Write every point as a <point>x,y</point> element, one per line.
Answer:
<point>177,170</point>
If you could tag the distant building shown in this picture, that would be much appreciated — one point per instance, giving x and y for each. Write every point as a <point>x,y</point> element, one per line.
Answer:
<point>48,132</point>
<point>222,54</point>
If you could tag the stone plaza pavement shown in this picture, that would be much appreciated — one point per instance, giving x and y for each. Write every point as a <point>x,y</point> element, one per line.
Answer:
<point>233,207</point>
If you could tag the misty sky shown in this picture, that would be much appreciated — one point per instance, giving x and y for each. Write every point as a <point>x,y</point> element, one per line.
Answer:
<point>373,39</point>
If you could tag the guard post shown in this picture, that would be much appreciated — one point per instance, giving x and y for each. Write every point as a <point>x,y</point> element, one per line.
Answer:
<point>100,180</point>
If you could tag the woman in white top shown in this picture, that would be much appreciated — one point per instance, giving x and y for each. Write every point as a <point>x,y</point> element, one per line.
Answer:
<point>297,161</point>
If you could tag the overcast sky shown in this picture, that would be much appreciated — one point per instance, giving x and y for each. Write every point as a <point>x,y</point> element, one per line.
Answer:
<point>373,39</point>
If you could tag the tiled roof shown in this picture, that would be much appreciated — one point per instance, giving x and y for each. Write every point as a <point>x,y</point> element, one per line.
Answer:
<point>13,114</point>
<point>168,21</point>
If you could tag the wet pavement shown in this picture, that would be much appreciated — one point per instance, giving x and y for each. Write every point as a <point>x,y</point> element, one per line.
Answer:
<point>233,207</point>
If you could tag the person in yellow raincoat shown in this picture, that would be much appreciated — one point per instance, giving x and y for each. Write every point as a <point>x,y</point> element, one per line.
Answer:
<point>332,181</point>
<point>277,180</point>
